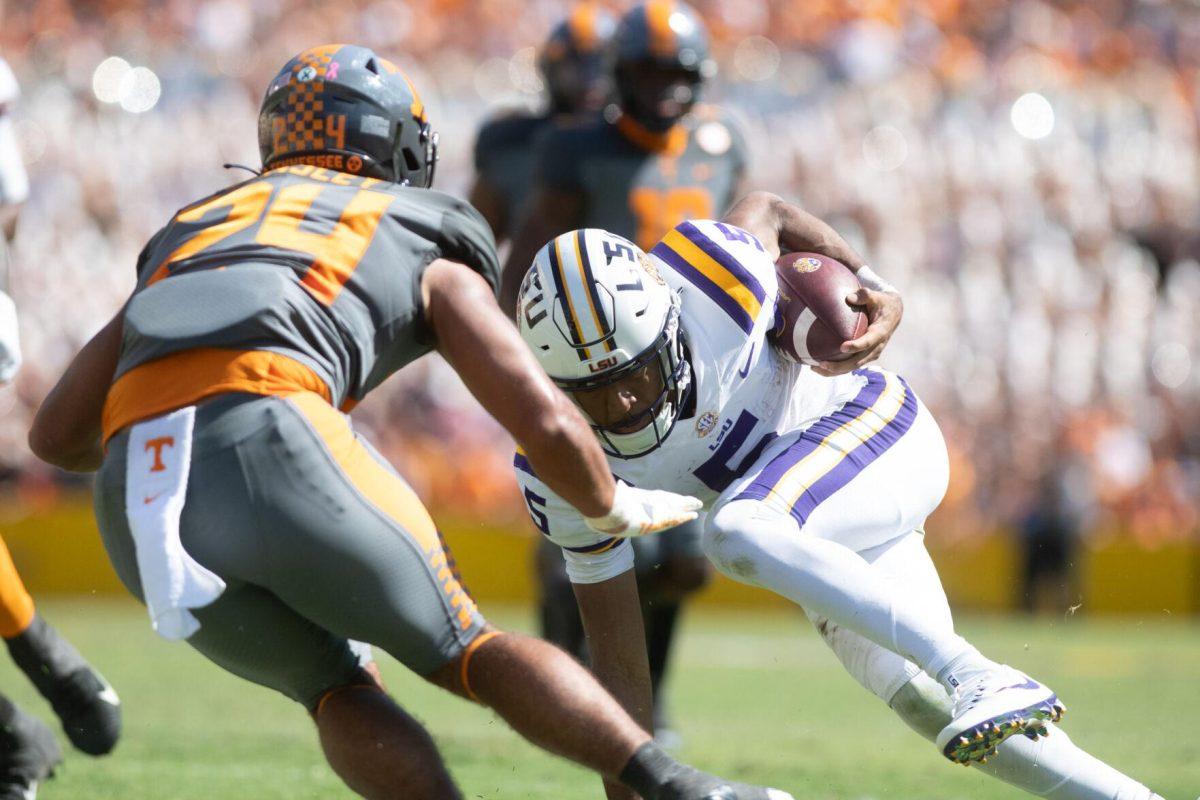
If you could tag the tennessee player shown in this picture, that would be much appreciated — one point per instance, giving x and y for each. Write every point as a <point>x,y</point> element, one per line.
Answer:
<point>660,159</point>
<point>236,500</point>
<point>87,706</point>
<point>573,69</point>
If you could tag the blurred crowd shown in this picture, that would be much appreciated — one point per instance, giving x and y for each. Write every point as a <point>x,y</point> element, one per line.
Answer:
<point>1025,171</point>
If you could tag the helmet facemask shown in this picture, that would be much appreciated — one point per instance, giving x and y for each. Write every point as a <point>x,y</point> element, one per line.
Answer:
<point>666,356</point>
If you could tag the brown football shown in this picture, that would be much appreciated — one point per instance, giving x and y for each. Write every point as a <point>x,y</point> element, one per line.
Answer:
<point>813,319</point>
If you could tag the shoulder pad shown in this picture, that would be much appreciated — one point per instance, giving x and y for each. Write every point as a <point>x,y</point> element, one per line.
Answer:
<point>727,265</point>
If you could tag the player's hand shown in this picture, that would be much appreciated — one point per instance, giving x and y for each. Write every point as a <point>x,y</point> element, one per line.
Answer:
<point>637,512</point>
<point>884,310</point>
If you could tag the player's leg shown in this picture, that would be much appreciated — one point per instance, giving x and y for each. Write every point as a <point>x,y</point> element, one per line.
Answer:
<point>1052,766</point>
<point>859,477</point>
<point>28,752</point>
<point>16,606</point>
<point>369,741</point>
<point>82,699</point>
<point>364,559</point>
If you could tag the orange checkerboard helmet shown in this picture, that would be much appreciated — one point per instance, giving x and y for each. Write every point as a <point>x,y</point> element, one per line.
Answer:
<point>343,107</point>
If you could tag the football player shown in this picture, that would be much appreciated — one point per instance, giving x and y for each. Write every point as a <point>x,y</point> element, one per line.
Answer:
<point>659,160</point>
<point>234,497</point>
<point>84,702</point>
<point>573,70</point>
<point>816,487</point>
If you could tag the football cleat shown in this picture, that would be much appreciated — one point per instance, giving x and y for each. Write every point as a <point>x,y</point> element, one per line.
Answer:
<point>992,707</point>
<point>28,756</point>
<point>86,704</point>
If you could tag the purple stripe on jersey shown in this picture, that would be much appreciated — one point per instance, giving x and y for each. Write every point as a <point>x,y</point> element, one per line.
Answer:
<point>724,258</point>
<point>522,463</point>
<point>857,459</point>
<point>812,437</point>
<point>591,548</point>
<point>714,292</point>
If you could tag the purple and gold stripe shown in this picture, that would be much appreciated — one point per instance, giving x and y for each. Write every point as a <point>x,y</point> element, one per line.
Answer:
<point>834,450</point>
<point>599,547</point>
<point>715,271</point>
<point>564,299</point>
<point>589,282</point>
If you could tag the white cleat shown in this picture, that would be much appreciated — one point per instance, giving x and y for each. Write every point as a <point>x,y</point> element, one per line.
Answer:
<point>993,706</point>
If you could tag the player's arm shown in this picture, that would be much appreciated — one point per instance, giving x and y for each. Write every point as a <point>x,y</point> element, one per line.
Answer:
<point>66,430</point>
<point>552,211</point>
<point>488,354</point>
<point>782,226</point>
<point>612,622</point>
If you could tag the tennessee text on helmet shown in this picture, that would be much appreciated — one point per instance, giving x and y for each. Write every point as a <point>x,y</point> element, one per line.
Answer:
<point>343,107</point>
<point>594,311</point>
<point>660,35</point>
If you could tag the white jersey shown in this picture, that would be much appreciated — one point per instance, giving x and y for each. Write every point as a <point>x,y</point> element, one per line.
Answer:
<point>744,393</point>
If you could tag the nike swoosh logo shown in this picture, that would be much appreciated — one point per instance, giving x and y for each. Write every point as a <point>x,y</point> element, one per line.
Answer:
<point>745,370</point>
<point>1029,683</point>
<point>152,498</point>
<point>109,696</point>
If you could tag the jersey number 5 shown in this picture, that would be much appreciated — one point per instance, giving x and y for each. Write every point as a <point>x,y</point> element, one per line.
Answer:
<point>334,255</point>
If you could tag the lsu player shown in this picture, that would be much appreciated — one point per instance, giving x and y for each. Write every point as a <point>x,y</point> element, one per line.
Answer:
<point>89,709</point>
<point>235,499</point>
<point>816,487</point>
<point>659,159</point>
<point>572,63</point>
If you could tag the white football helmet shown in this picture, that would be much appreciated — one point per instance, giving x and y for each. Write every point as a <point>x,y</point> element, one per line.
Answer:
<point>594,310</point>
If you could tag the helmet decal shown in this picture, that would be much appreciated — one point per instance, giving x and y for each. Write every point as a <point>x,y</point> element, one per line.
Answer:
<point>343,107</point>
<point>663,41</point>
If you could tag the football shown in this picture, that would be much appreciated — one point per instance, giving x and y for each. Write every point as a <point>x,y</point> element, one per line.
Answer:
<point>813,319</point>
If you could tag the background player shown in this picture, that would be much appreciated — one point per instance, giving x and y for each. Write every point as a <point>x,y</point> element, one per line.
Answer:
<point>238,503</point>
<point>84,702</point>
<point>654,159</point>
<point>572,63</point>
<point>818,488</point>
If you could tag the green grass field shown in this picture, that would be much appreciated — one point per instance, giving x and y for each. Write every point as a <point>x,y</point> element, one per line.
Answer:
<point>757,697</point>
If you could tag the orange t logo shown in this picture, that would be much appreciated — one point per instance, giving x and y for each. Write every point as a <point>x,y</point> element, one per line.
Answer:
<point>158,444</point>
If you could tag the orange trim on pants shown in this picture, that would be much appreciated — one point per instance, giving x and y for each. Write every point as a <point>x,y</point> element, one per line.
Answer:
<point>390,495</point>
<point>16,606</point>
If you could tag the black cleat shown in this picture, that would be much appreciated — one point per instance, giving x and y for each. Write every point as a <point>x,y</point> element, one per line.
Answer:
<point>28,756</point>
<point>88,707</point>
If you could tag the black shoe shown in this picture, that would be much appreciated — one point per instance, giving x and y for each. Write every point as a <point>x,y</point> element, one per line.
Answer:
<point>28,756</point>
<point>88,707</point>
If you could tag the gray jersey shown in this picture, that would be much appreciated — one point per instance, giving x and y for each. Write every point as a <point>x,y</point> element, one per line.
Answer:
<point>321,266</point>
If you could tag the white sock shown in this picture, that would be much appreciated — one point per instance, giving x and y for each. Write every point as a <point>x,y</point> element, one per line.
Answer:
<point>1052,767</point>
<point>753,544</point>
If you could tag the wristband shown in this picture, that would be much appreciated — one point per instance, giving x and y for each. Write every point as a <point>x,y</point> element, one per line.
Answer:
<point>868,278</point>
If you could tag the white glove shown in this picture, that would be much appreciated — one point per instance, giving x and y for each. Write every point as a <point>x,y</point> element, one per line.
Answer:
<point>10,343</point>
<point>636,512</point>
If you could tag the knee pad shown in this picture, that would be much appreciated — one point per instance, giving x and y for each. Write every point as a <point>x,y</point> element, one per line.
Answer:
<point>923,705</point>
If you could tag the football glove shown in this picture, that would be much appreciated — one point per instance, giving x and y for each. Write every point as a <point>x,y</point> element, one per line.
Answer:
<point>637,512</point>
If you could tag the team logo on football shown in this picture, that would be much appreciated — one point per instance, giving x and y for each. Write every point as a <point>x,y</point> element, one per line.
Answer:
<point>807,264</point>
<point>307,74</point>
<point>706,424</point>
